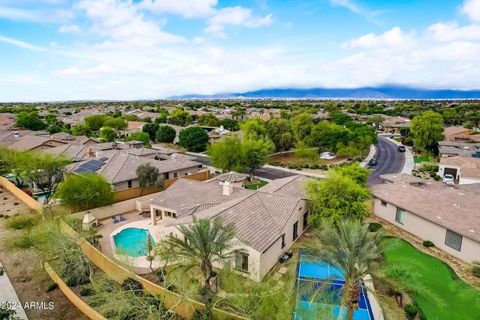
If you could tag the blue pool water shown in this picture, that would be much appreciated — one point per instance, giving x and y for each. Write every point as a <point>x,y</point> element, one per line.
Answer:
<point>132,241</point>
<point>319,289</point>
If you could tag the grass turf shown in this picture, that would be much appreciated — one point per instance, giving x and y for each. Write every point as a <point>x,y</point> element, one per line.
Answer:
<point>420,159</point>
<point>461,301</point>
<point>255,186</point>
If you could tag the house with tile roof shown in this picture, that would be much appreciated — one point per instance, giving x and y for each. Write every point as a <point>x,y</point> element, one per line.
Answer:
<point>448,216</point>
<point>465,170</point>
<point>119,168</point>
<point>267,221</point>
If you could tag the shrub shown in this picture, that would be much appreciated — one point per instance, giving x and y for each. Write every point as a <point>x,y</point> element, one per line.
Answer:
<point>20,241</point>
<point>132,285</point>
<point>374,227</point>
<point>411,311</point>
<point>85,292</point>
<point>428,244</point>
<point>476,269</point>
<point>52,287</point>
<point>24,221</point>
<point>2,271</point>
<point>437,178</point>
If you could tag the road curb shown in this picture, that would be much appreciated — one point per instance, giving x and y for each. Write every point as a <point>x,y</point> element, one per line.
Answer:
<point>408,163</point>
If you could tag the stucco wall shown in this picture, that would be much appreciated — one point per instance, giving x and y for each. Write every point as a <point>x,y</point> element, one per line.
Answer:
<point>427,230</point>
<point>270,257</point>
<point>25,198</point>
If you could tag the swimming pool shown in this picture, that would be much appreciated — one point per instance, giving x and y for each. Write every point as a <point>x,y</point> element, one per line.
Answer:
<point>132,241</point>
<point>319,290</point>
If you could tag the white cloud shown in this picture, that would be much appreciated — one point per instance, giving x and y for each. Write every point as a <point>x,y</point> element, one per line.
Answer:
<point>122,24</point>
<point>21,44</point>
<point>185,8</point>
<point>69,28</point>
<point>394,37</point>
<point>453,32</point>
<point>471,8</point>
<point>21,14</point>
<point>354,7</point>
<point>236,16</point>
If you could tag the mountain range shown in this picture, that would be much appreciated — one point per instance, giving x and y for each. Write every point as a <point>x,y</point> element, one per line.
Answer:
<point>381,92</point>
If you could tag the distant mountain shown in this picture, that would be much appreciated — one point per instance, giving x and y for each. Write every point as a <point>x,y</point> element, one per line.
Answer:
<point>384,92</point>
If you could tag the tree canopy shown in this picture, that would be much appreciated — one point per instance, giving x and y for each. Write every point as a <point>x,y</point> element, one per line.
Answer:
<point>336,198</point>
<point>30,120</point>
<point>148,175</point>
<point>83,192</point>
<point>427,130</point>
<point>227,154</point>
<point>107,134</point>
<point>193,138</point>
<point>254,154</point>
<point>254,129</point>
<point>165,134</point>
<point>140,136</point>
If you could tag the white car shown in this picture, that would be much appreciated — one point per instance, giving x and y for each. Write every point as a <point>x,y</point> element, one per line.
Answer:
<point>448,179</point>
<point>327,156</point>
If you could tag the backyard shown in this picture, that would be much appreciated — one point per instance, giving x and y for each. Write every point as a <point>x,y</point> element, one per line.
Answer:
<point>461,301</point>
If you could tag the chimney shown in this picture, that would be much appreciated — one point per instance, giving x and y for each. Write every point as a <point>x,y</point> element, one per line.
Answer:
<point>91,152</point>
<point>16,135</point>
<point>227,189</point>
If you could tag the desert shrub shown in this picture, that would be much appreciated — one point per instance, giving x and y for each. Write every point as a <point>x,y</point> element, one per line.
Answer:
<point>86,292</point>
<point>437,178</point>
<point>374,227</point>
<point>23,221</point>
<point>411,311</point>
<point>428,244</point>
<point>132,285</point>
<point>51,287</point>
<point>20,241</point>
<point>476,269</point>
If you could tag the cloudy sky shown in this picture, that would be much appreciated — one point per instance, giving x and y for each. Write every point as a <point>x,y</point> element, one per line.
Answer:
<point>147,49</point>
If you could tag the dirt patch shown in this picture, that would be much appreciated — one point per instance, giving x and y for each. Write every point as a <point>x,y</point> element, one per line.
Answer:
<point>31,282</point>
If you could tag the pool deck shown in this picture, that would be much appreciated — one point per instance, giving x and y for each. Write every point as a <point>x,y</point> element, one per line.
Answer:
<point>133,219</point>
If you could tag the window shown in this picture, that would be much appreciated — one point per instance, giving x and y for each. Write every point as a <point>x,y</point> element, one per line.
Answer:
<point>453,240</point>
<point>400,215</point>
<point>174,174</point>
<point>241,261</point>
<point>129,183</point>
<point>383,203</point>
<point>295,231</point>
<point>283,240</point>
<point>305,220</point>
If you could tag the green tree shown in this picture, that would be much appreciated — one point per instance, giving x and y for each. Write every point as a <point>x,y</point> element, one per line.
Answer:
<point>30,120</point>
<point>336,198</point>
<point>280,133</point>
<point>54,128</point>
<point>81,130</point>
<point>328,135</point>
<point>208,119</point>
<point>95,122</point>
<point>355,171</point>
<point>254,129</point>
<point>116,123</point>
<point>254,154</point>
<point>42,169</point>
<point>193,138</point>
<point>149,175</point>
<point>180,117</point>
<point>230,124</point>
<point>305,152</point>
<point>151,128</point>
<point>51,119</point>
<point>227,154</point>
<point>350,247</point>
<point>140,136</point>
<point>83,192</point>
<point>166,134</point>
<point>204,243</point>
<point>427,130</point>
<point>107,134</point>
<point>302,125</point>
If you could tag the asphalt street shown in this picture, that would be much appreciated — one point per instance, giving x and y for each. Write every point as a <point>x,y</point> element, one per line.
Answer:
<point>389,160</point>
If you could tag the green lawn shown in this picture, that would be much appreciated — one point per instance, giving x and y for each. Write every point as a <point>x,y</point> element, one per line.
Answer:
<point>461,300</point>
<point>255,186</point>
<point>420,159</point>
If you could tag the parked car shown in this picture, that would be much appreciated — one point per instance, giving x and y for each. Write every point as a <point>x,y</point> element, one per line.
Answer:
<point>372,162</point>
<point>401,148</point>
<point>327,156</point>
<point>448,179</point>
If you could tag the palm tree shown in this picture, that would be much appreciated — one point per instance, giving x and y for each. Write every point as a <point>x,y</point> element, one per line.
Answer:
<point>205,243</point>
<point>351,248</point>
<point>148,175</point>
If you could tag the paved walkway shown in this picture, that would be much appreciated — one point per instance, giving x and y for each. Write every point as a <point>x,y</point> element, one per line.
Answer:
<point>8,296</point>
